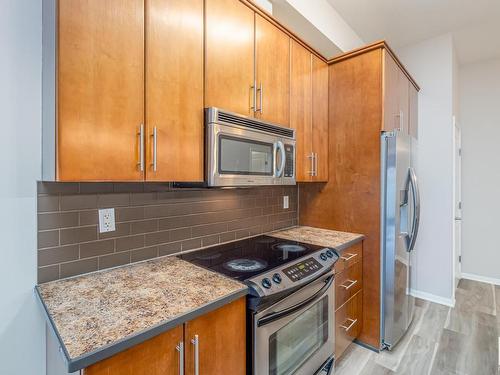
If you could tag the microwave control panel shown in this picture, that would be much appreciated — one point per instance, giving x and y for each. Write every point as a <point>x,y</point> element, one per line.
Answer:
<point>302,269</point>
<point>289,152</point>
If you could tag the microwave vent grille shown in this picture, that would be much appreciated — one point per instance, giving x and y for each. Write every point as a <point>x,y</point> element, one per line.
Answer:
<point>254,124</point>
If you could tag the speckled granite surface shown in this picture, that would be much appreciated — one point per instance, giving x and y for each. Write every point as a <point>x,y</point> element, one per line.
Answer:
<point>99,309</point>
<point>320,237</point>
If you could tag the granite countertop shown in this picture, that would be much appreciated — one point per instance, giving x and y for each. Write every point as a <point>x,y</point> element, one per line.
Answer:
<point>320,237</point>
<point>100,314</point>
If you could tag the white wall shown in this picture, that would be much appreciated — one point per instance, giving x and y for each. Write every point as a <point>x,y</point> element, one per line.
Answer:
<point>431,64</point>
<point>21,325</point>
<point>480,122</point>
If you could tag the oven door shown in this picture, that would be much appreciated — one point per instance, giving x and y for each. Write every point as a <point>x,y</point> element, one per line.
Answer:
<point>241,157</point>
<point>296,335</point>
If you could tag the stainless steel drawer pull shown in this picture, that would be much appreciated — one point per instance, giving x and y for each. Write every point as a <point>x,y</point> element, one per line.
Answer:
<point>196,342</point>
<point>180,349</point>
<point>352,321</point>
<point>351,284</point>
<point>315,164</point>
<point>349,257</point>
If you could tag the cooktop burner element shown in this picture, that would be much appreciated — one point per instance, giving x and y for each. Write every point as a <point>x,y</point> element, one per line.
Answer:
<point>290,247</point>
<point>245,265</point>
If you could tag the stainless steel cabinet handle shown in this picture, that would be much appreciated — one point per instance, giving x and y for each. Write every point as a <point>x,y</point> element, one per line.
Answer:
<point>196,342</point>
<point>353,322</point>
<point>254,97</point>
<point>261,89</point>
<point>140,164</point>
<point>180,349</point>
<point>351,284</point>
<point>311,157</point>
<point>349,257</point>
<point>155,148</point>
<point>315,164</point>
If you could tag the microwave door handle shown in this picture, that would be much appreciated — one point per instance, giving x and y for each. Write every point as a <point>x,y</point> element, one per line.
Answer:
<point>281,147</point>
<point>299,306</point>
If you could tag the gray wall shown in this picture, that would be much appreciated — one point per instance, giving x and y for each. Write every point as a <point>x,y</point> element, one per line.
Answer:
<point>22,335</point>
<point>151,220</point>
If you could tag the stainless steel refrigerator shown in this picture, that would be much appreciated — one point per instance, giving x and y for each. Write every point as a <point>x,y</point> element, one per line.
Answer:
<point>400,222</point>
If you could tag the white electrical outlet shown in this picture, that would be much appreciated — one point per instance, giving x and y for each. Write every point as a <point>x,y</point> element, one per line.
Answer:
<point>285,201</point>
<point>107,220</point>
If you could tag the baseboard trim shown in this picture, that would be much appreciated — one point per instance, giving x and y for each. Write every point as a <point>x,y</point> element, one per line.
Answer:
<point>483,279</point>
<point>433,298</point>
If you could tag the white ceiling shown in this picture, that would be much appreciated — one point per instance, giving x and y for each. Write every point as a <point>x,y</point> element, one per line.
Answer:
<point>475,24</point>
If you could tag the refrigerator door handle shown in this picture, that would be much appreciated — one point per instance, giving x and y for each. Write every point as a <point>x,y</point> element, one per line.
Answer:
<point>416,211</point>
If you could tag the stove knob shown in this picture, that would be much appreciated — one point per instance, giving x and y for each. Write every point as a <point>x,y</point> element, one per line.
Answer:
<point>277,278</point>
<point>266,283</point>
<point>329,253</point>
<point>323,256</point>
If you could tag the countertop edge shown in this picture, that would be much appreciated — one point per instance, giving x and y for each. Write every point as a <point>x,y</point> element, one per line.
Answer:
<point>350,243</point>
<point>106,351</point>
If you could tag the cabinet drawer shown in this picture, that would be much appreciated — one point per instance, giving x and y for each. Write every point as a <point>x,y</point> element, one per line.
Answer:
<point>348,283</point>
<point>349,256</point>
<point>348,323</point>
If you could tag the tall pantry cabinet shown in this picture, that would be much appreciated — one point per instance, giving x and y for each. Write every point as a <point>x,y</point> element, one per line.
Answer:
<point>369,92</point>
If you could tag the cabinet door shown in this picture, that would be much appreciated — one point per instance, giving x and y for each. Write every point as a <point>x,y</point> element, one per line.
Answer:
<point>221,336</point>
<point>391,93</point>
<point>272,51</point>
<point>320,118</point>
<point>174,90</point>
<point>413,111</point>
<point>301,109</point>
<point>100,88</point>
<point>156,356</point>
<point>395,96</point>
<point>229,56</point>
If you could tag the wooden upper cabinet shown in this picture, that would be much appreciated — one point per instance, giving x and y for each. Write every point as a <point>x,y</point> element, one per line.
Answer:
<point>413,111</point>
<point>100,88</point>
<point>395,88</point>
<point>272,52</point>
<point>229,56</point>
<point>221,336</point>
<point>156,356</point>
<point>174,90</point>
<point>320,118</point>
<point>301,109</point>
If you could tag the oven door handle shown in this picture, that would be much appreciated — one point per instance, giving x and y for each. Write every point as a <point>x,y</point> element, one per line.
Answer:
<point>292,309</point>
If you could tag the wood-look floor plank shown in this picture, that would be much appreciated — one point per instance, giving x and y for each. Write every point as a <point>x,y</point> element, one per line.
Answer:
<point>441,341</point>
<point>417,358</point>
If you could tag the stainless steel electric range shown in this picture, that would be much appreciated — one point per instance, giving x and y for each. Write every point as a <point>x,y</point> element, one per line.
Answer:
<point>291,303</point>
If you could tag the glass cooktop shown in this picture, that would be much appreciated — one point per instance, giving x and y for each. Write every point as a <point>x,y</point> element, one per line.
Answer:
<point>246,258</point>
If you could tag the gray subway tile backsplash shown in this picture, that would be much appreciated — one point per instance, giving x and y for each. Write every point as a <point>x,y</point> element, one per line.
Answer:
<point>152,220</point>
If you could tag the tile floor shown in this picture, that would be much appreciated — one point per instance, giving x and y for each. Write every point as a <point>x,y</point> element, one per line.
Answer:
<point>441,341</point>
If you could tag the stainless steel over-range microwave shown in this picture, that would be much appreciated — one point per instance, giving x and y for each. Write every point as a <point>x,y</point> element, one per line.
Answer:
<point>243,151</point>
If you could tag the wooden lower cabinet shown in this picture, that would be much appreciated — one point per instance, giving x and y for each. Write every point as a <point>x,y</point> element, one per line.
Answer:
<point>348,297</point>
<point>221,341</point>
<point>221,336</point>
<point>157,356</point>
<point>348,321</point>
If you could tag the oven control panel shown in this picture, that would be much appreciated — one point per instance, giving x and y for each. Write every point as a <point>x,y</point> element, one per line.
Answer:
<point>292,275</point>
<point>302,269</point>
